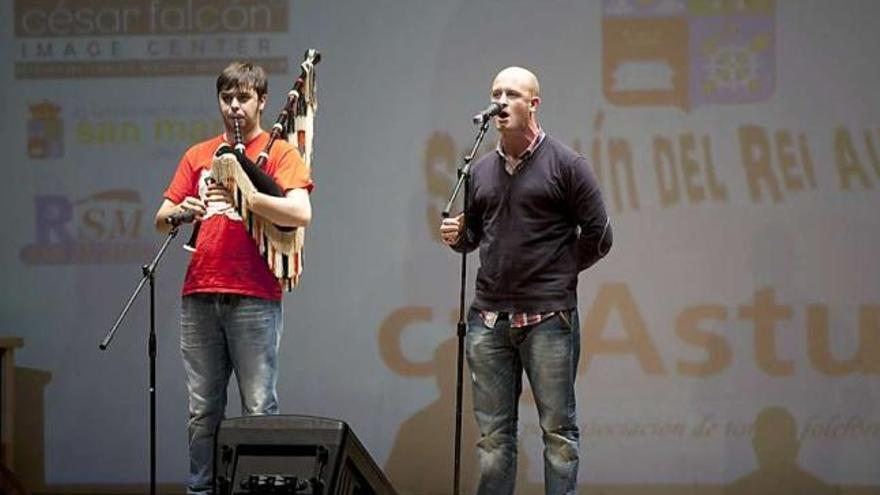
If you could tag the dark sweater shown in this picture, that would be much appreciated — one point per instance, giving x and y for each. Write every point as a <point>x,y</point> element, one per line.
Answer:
<point>536,229</point>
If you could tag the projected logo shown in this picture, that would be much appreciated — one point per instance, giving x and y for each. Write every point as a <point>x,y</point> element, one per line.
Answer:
<point>687,53</point>
<point>56,39</point>
<point>45,131</point>
<point>104,227</point>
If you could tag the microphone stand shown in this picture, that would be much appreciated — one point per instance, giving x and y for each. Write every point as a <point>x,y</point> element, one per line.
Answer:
<point>464,173</point>
<point>149,275</point>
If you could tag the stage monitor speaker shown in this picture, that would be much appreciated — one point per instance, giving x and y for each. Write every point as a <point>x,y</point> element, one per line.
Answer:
<point>289,454</point>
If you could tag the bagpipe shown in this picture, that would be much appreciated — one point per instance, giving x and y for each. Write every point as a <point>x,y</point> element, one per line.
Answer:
<point>281,247</point>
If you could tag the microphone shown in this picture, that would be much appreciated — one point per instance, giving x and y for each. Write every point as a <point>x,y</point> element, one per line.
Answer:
<point>179,217</point>
<point>492,110</point>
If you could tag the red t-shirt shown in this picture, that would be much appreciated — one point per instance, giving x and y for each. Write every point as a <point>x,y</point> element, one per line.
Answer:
<point>227,260</point>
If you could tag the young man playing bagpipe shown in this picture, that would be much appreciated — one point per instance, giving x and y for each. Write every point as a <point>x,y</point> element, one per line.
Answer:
<point>231,302</point>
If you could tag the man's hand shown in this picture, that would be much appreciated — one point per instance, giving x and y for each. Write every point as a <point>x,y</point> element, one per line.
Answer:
<point>216,193</point>
<point>451,228</point>
<point>195,205</point>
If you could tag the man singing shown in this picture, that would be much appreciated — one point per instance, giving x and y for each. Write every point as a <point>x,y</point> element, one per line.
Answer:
<point>537,215</point>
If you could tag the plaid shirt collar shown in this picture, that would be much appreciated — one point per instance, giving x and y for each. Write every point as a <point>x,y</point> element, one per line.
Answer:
<point>511,164</point>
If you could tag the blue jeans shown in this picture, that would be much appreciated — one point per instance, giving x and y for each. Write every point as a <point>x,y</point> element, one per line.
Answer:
<point>549,353</point>
<point>222,333</point>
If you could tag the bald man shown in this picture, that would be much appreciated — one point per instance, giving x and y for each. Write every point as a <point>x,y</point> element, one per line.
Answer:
<point>537,216</point>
